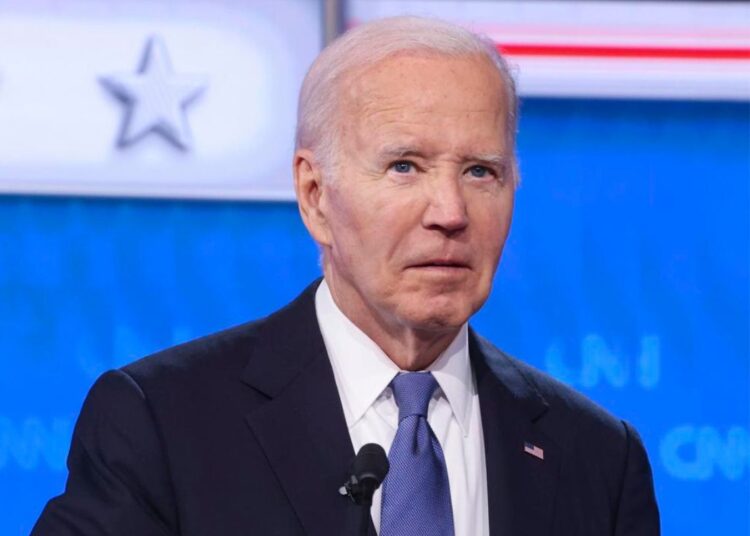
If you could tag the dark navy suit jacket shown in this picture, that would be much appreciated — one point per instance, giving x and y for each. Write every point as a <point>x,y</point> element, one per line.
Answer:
<point>243,433</point>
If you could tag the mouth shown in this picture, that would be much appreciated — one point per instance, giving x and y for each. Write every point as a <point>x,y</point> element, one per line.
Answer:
<point>441,265</point>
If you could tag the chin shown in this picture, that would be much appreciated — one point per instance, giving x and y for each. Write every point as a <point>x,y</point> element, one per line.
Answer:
<point>438,316</point>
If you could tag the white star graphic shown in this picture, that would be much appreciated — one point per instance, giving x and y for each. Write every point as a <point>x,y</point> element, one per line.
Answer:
<point>155,98</point>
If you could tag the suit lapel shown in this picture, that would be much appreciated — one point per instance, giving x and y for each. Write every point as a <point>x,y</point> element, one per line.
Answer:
<point>521,487</point>
<point>302,428</point>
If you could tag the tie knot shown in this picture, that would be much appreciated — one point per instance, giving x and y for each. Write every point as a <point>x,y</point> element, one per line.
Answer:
<point>413,391</point>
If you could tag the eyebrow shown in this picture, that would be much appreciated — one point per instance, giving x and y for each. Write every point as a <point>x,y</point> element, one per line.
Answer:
<point>400,151</point>
<point>496,160</point>
<point>404,151</point>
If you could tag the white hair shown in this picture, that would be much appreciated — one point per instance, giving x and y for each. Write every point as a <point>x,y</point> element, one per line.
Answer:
<point>368,44</point>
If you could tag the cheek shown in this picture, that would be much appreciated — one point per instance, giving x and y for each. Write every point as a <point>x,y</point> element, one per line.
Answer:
<point>382,219</point>
<point>504,210</point>
<point>357,229</point>
<point>493,224</point>
<point>342,212</point>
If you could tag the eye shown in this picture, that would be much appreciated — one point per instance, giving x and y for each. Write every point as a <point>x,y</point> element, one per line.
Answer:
<point>402,166</point>
<point>480,172</point>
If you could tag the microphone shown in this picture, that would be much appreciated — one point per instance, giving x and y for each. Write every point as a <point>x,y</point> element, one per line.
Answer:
<point>367,473</point>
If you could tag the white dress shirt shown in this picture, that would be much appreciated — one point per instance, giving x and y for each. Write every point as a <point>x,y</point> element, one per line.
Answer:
<point>363,373</point>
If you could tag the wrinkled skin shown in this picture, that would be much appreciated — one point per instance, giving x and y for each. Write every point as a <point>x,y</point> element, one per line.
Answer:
<point>414,221</point>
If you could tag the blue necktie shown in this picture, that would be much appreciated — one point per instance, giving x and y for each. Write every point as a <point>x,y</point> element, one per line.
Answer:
<point>416,497</point>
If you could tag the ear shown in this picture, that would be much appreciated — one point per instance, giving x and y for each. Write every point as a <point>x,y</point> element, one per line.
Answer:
<point>308,185</point>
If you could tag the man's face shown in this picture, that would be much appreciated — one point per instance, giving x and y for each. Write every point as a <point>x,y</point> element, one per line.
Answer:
<point>421,202</point>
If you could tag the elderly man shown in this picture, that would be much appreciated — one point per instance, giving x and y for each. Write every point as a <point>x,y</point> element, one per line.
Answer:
<point>405,177</point>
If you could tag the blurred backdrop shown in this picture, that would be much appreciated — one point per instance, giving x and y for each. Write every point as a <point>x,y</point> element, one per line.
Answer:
<point>145,150</point>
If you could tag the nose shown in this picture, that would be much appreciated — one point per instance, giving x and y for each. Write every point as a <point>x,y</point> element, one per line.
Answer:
<point>446,209</point>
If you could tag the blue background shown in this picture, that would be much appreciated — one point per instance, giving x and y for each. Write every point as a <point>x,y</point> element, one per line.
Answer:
<point>626,275</point>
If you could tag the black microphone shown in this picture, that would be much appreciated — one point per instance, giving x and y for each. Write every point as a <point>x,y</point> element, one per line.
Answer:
<point>367,473</point>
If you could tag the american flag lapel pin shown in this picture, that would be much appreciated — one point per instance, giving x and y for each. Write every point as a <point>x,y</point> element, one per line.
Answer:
<point>530,448</point>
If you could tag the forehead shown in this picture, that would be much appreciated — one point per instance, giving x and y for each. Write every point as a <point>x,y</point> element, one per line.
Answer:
<point>423,98</point>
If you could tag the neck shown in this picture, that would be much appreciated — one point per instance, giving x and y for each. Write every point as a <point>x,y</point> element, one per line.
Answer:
<point>410,348</point>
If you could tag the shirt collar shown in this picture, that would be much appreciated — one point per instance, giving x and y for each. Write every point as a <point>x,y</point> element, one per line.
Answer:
<point>452,370</point>
<point>363,371</point>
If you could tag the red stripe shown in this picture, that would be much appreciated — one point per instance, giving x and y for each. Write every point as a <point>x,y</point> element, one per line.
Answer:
<point>624,52</point>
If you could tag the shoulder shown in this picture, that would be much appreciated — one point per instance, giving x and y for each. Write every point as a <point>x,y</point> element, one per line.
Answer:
<point>603,463</point>
<point>219,353</point>
<point>568,414</point>
<point>224,355</point>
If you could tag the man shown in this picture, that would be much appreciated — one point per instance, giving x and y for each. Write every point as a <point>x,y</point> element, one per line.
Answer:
<point>405,177</point>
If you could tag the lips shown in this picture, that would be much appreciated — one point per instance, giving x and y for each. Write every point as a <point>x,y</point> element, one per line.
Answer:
<point>440,263</point>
